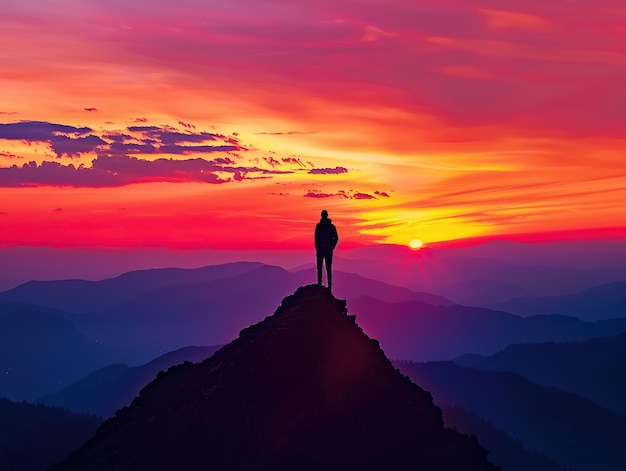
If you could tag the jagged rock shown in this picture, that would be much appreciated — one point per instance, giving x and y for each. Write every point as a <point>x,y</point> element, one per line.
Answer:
<point>304,389</point>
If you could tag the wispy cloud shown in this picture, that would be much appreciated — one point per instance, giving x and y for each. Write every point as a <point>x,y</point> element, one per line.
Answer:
<point>363,196</point>
<point>328,171</point>
<point>187,125</point>
<point>272,161</point>
<point>295,161</point>
<point>320,194</point>
<point>347,194</point>
<point>287,133</point>
<point>10,155</point>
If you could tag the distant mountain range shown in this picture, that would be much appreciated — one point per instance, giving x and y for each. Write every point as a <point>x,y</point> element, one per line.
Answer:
<point>138,316</point>
<point>81,296</point>
<point>535,269</point>
<point>417,331</point>
<point>476,292</point>
<point>606,301</point>
<point>73,344</point>
<point>570,429</point>
<point>41,351</point>
<point>504,451</point>
<point>582,254</point>
<point>110,388</point>
<point>144,314</point>
<point>593,368</point>
<point>537,333</point>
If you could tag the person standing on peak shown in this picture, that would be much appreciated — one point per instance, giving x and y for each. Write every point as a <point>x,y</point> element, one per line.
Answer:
<point>326,239</point>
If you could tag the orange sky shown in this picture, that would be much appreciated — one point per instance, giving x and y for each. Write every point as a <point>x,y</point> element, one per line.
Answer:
<point>201,124</point>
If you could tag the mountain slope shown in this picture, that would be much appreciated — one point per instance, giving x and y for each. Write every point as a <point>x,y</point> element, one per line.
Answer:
<point>110,388</point>
<point>304,389</point>
<point>593,368</point>
<point>570,429</point>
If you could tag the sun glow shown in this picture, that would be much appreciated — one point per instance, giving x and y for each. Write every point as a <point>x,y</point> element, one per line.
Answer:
<point>416,244</point>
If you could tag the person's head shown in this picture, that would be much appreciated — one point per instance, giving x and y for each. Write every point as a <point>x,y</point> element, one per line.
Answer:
<point>324,214</point>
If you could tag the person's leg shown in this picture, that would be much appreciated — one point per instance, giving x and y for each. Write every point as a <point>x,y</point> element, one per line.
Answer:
<point>329,273</point>
<point>320,259</point>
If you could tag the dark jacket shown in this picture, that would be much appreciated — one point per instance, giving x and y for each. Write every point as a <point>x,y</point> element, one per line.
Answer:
<point>325,235</point>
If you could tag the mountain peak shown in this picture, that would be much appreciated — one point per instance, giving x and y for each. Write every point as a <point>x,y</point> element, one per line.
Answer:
<point>303,389</point>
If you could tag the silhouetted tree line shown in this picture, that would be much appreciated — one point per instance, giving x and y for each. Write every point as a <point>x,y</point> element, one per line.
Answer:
<point>34,436</point>
<point>505,451</point>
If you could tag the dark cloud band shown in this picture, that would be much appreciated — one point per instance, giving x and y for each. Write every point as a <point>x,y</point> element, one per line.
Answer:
<point>328,171</point>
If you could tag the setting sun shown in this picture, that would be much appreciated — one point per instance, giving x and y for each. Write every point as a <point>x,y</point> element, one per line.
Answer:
<point>415,244</point>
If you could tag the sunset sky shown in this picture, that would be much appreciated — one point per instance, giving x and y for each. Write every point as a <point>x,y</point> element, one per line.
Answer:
<point>199,124</point>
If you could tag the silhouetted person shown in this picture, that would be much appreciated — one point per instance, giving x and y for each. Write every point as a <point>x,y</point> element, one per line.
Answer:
<point>325,241</point>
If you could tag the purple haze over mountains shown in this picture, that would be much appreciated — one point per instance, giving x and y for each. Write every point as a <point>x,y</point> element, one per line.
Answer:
<point>576,265</point>
<point>468,303</point>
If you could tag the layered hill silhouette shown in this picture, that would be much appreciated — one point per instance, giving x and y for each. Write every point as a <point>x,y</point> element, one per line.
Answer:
<point>476,292</point>
<point>143,314</point>
<point>606,301</point>
<point>303,389</point>
<point>554,267</point>
<point>570,429</point>
<point>34,437</point>
<point>41,351</point>
<point>593,368</point>
<point>440,271</point>
<point>81,296</point>
<point>138,316</point>
<point>506,452</point>
<point>423,332</point>
<point>110,388</point>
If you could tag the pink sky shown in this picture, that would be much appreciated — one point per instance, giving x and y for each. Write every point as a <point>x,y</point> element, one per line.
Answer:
<point>201,124</point>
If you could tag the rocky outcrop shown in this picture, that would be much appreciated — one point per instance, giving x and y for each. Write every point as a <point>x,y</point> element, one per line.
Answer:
<point>303,389</point>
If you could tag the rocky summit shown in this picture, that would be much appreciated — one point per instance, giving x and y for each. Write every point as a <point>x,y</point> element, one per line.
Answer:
<point>304,389</point>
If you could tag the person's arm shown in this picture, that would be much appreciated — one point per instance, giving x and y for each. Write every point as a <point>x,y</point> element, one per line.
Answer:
<point>316,236</point>
<point>335,237</point>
